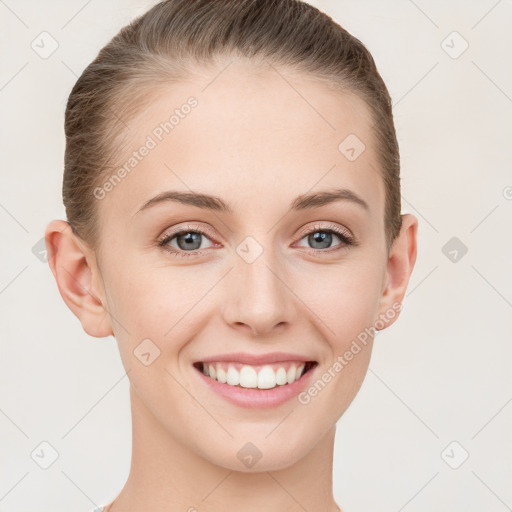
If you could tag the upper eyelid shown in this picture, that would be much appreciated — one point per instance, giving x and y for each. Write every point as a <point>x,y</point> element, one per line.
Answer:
<point>184,229</point>
<point>330,226</point>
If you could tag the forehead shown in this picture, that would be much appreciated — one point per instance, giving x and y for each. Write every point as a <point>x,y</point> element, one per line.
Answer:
<point>249,136</point>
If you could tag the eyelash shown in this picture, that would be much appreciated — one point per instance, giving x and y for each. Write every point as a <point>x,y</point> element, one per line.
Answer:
<point>346,239</point>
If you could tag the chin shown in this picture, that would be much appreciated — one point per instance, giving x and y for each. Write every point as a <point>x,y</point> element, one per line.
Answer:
<point>256,454</point>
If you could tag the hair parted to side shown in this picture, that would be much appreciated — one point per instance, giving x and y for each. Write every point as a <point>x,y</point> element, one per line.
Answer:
<point>162,47</point>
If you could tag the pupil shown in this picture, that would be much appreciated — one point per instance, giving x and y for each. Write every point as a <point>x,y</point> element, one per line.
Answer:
<point>189,238</point>
<point>321,237</point>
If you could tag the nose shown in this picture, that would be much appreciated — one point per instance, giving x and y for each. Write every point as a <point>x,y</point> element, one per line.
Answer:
<point>259,299</point>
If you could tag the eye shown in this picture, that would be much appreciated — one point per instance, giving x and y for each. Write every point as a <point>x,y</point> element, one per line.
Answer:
<point>188,241</point>
<point>321,238</point>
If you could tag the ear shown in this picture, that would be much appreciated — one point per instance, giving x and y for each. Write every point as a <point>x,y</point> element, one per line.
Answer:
<point>78,278</point>
<point>401,260</point>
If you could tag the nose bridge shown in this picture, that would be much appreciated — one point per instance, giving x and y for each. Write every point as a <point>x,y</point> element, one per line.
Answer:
<point>258,297</point>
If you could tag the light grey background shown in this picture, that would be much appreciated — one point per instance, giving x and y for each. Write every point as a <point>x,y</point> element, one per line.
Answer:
<point>440,374</point>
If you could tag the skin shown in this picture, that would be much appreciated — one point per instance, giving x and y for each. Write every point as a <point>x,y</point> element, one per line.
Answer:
<point>257,144</point>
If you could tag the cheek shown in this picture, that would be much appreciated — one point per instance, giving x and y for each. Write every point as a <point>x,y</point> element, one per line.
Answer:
<point>144,295</point>
<point>165,305</point>
<point>345,299</point>
<point>346,305</point>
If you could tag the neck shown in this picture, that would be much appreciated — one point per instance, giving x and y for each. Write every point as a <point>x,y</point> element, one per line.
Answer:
<point>166,475</point>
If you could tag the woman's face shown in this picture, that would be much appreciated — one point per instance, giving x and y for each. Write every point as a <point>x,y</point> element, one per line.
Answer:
<point>263,275</point>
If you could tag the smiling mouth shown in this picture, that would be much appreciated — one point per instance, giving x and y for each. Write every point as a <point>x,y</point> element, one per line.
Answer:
<point>266,376</point>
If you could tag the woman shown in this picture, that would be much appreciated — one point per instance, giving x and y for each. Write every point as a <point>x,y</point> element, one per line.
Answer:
<point>232,191</point>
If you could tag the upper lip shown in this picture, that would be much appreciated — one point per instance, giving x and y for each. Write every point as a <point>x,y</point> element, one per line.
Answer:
<point>255,359</point>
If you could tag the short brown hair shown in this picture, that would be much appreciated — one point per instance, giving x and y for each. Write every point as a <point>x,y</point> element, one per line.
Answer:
<point>162,45</point>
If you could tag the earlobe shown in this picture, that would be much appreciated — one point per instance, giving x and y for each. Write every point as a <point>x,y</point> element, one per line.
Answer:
<point>73,268</point>
<point>400,264</point>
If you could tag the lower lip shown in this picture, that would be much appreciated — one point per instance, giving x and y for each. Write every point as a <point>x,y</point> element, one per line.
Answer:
<point>257,398</point>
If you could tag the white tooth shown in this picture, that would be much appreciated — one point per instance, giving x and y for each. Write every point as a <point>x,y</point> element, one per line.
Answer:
<point>248,377</point>
<point>233,377</point>
<point>281,376</point>
<point>266,378</point>
<point>221,375</point>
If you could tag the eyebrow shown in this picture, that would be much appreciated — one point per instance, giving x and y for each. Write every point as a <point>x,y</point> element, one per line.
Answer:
<point>214,203</point>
